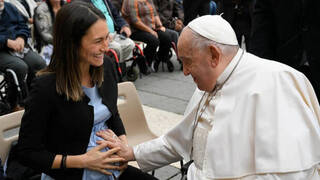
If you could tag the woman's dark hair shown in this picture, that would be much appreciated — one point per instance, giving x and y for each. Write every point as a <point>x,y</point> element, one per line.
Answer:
<point>72,22</point>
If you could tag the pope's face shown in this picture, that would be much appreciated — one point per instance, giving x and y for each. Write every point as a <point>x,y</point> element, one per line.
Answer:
<point>196,62</point>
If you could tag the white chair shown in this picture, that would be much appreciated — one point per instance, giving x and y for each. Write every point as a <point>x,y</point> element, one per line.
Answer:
<point>8,122</point>
<point>132,115</point>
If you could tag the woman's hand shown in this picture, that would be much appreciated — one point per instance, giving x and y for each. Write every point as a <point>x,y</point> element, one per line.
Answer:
<point>113,141</point>
<point>100,161</point>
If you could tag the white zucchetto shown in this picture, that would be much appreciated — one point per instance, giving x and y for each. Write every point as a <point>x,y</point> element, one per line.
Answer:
<point>215,28</point>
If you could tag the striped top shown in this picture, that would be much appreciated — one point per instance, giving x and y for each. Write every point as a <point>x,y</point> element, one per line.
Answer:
<point>139,10</point>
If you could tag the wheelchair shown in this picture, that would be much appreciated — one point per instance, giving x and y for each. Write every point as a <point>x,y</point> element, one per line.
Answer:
<point>137,67</point>
<point>9,78</point>
<point>170,66</point>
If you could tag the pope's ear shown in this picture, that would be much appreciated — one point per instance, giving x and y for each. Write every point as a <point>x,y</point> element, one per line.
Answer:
<point>215,53</point>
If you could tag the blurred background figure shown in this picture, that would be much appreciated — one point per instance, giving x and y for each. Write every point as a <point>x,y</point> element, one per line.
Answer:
<point>239,14</point>
<point>194,8</point>
<point>26,9</point>
<point>44,18</point>
<point>171,16</point>
<point>288,32</point>
<point>15,51</point>
<point>170,13</point>
<point>117,4</point>
<point>147,27</point>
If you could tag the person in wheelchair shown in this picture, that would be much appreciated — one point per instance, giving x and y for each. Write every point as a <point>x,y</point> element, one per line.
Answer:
<point>171,15</point>
<point>147,27</point>
<point>15,53</point>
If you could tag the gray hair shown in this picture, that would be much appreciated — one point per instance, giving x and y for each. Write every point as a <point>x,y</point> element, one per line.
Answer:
<point>201,42</point>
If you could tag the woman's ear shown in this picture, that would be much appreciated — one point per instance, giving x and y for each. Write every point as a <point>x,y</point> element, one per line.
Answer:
<point>215,53</point>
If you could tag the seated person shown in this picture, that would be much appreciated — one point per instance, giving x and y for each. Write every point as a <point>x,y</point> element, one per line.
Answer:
<point>44,17</point>
<point>116,25</point>
<point>117,3</point>
<point>171,15</point>
<point>15,53</point>
<point>26,9</point>
<point>147,27</point>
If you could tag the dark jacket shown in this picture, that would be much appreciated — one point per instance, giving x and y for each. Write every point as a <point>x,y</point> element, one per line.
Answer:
<point>281,30</point>
<point>54,125</point>
<point>239,14</point>
<point>1,170</point>
<point>118,21</point>
<point>233,9</point>
<point>117,4</point>
<point>12,25</point>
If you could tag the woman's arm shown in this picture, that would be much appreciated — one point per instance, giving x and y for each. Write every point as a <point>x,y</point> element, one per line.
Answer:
<point>31,147</point>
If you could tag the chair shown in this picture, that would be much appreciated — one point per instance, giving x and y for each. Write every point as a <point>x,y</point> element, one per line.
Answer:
<point>132,115</point>
<point>131,72</point>
<point>8,122</point>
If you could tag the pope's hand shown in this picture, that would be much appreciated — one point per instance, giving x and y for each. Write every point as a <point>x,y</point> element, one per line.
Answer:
<point>113,141</point>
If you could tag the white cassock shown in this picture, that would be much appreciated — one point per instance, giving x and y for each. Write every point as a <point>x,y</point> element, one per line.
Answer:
<point>262,124</point>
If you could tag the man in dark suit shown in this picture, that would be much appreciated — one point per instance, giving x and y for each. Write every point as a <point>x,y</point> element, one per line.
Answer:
<point>194,8</point>
<point>288,31</point>
<point>239,14</point>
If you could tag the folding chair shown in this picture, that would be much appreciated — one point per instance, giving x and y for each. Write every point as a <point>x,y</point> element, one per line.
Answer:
<point>132,115</point>
<point>8,122</point>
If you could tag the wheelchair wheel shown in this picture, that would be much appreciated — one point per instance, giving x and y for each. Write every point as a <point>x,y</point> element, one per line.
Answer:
<point>4,108</point>
<point>132,73</point>
<point>4,104</point>
<point>170,66</point>
<point>170,54</point>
